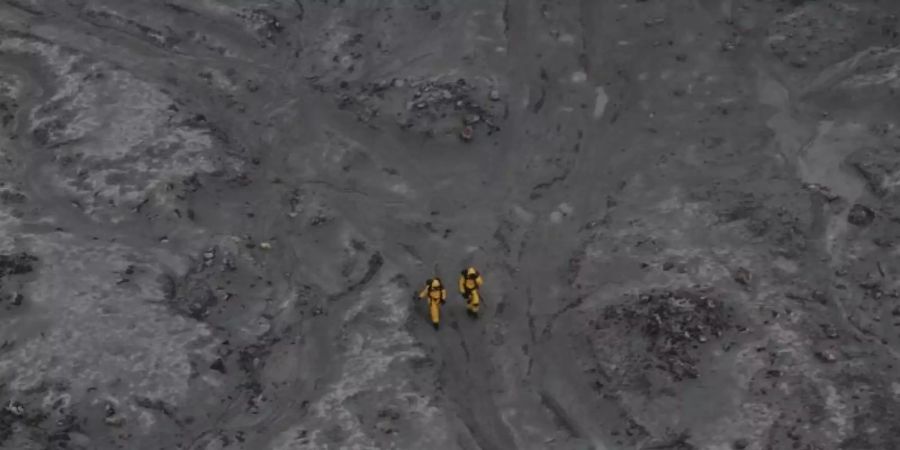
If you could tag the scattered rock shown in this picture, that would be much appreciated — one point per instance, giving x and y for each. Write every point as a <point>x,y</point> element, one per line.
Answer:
<point>431,105</point>
<point>15,408</point>
<point>826,355</point>
<point>674,323</point>
<point>824,191</point>
<point>263,22</point>
<point>114,420</point>
<point>111,417</point>
<point>742,276</point>
<point>819,296</point>
<point>387,419</point>
<point>209,257</point>
<point>197,302</point>
<point>17,264</point>
<point>830,331</point>
<point>228,265</point>
<point>471,119</point>
<point>860,215</point>
<point>729,45</point>
<point>218,365</point>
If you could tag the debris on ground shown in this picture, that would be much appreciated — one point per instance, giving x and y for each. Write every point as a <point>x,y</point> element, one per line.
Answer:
<point>673,323</point>
<point>114,420</point>
<point>430,106</point>
<point>742,276</point>
<point>860,215</point>
<point>16,264</point>
<point>387,420</point>
<point>15,408</point>
<point>826,355</point>
<point>824,191</point>
<point>209,257</point>
<point>218,365</point>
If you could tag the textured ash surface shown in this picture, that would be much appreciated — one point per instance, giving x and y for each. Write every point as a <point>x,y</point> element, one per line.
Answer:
<point>214,214</point>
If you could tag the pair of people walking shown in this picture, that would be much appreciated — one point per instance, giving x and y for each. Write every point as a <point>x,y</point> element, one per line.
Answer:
<point>436,294</point>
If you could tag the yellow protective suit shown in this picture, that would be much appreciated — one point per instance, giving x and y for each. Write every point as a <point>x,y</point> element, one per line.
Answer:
<point>469,283</point>
<point>436,294</point>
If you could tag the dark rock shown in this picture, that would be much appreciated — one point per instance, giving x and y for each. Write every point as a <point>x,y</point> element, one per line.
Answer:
<point>826,355</point>
<point>218,365</point>
<point>674,323</point>
<point>18,264</point>
<point>830,331</point>
<point>860,215</point>
<point>741,444</point>
<point>819,296</point>
<point>197,302</point>
<point>742,276</point>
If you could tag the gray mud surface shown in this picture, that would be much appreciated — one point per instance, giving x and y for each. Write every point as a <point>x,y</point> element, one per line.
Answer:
<point>214,214</point>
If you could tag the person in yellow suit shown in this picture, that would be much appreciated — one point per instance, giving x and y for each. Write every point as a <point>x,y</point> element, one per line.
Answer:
<point>469,283</point>
<point>436,294</point>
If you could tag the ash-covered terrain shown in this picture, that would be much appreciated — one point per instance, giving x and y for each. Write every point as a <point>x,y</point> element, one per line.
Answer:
<point>214,214</point>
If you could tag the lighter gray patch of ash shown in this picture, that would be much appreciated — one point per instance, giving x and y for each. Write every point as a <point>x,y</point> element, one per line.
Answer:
<point>370,356</point>
<point>98,332</point>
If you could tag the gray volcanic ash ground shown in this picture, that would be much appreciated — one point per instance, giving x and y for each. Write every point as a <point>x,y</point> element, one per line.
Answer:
<point>214,214</point>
